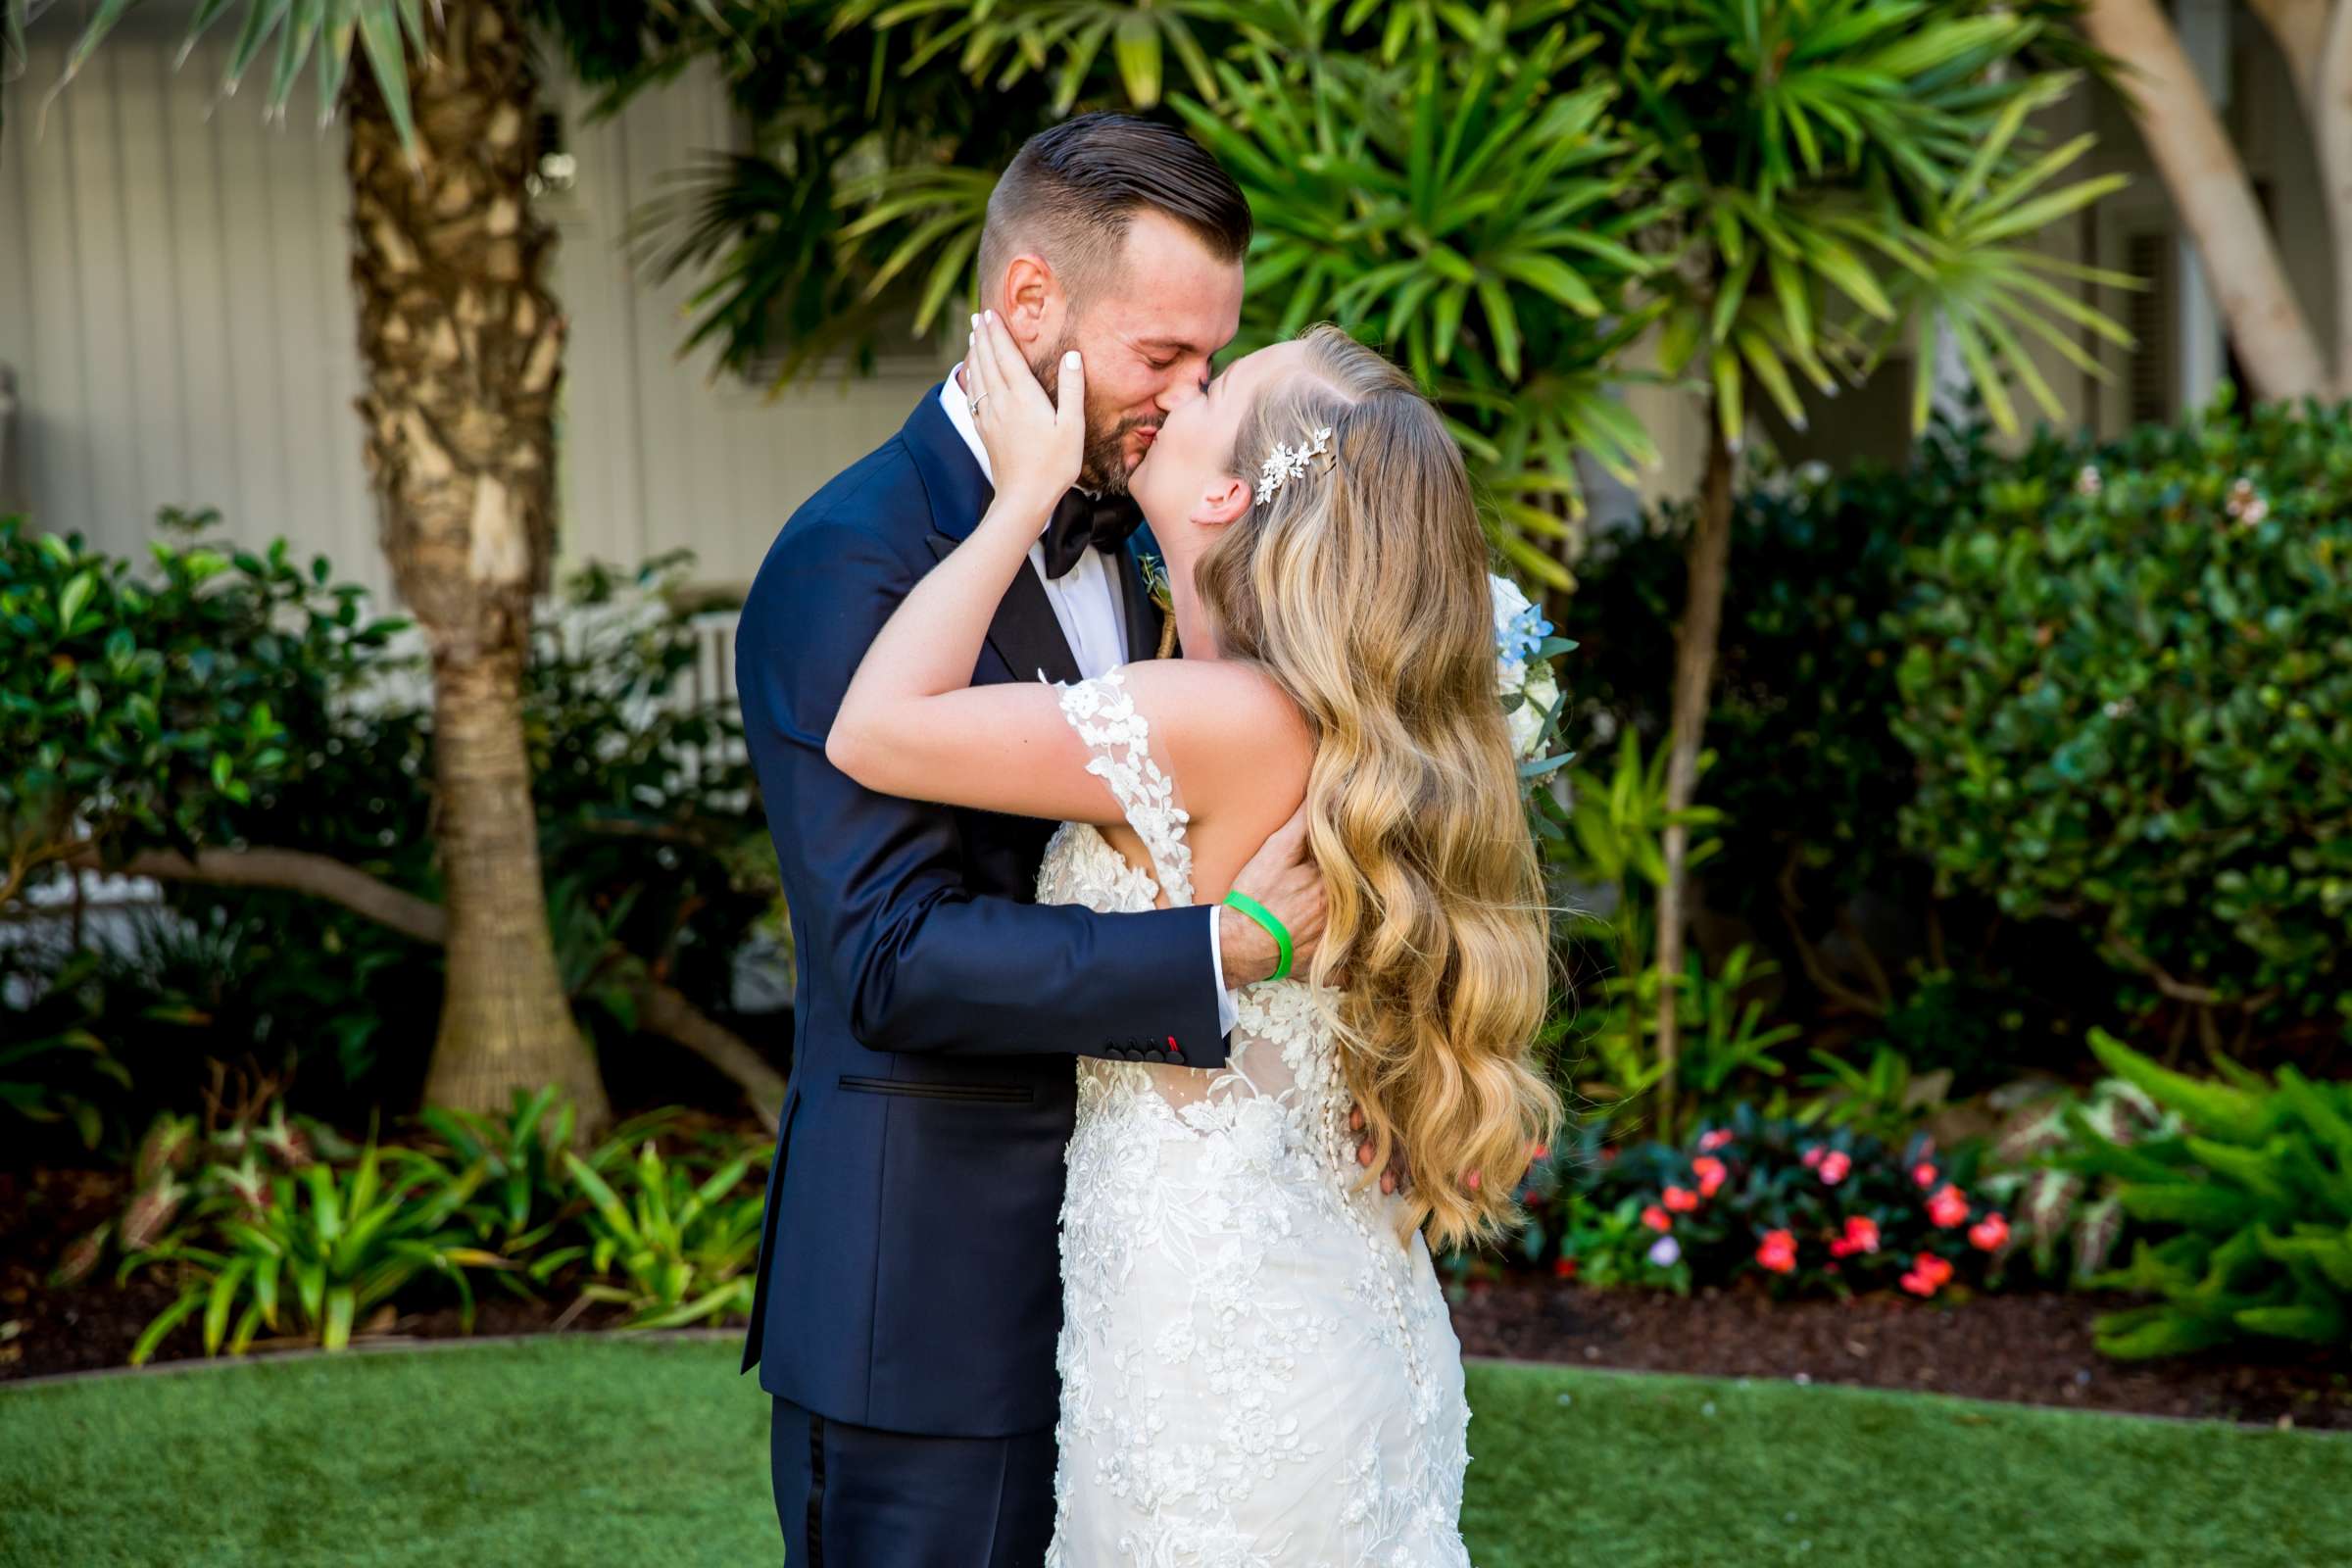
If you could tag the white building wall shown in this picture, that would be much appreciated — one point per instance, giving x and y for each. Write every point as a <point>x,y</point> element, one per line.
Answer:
<point>174,299</point>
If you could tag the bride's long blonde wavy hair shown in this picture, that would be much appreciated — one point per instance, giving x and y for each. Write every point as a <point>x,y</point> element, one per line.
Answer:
<point>1361,587</point>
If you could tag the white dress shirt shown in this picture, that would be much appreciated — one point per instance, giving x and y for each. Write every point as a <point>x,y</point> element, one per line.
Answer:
<point>1086,601</point>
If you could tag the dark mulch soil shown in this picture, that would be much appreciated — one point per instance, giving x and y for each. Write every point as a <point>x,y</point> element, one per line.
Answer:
<point>2033,1348</point>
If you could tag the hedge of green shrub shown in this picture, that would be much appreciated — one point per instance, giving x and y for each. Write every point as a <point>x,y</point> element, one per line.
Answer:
<point>2126,685</point>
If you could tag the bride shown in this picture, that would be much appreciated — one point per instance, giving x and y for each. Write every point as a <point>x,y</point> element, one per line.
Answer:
<point>1256,1363</point>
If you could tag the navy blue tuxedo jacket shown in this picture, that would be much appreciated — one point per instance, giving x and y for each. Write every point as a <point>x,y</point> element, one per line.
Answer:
<point>908,1274</point>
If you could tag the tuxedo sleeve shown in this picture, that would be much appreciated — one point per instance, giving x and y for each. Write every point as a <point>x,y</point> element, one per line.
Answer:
<point>876,884</point>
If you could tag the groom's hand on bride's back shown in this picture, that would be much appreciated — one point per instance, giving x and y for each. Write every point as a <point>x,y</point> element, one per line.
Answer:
<point>1284,878</point>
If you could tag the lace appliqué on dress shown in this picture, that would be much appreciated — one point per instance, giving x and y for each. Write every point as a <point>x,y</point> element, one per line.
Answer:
<point>1102,712</point>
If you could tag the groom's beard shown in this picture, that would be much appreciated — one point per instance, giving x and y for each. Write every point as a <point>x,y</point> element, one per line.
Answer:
<point>1102,467</point>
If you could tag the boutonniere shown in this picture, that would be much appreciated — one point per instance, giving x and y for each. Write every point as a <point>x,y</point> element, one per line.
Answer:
<point>1156,583</point>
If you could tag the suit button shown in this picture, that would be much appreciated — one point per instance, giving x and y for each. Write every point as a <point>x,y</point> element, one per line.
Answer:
<point>1175,1059</point>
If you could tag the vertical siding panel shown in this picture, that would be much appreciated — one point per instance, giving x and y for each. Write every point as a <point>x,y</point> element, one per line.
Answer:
<point>151,229</point>
<point>672,499</point>
<point>595,437</point>
<point>53,436</point>
<point>118,496</point>
<point>298,327</point>
<point>725,436</point>
<point>16,274</point>
<point>254,318</point>
<point>355,547</point>
<point>216,397</point>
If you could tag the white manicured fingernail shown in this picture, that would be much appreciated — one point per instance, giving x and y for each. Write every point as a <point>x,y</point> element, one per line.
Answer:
<point>1069,361</point>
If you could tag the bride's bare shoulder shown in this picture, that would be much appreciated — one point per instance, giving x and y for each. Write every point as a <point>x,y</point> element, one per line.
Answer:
<point>1213,717</point>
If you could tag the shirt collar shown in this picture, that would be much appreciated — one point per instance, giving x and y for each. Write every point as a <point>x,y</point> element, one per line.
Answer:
<point>960,415</point>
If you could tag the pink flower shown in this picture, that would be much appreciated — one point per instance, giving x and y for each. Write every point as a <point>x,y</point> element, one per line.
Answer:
<point>1861,1236</point>
<point>1778,1252</point>
<point>1928,1274</point>
<point>1834,1166</point>
<point>1924,1174</point>
<point>1708,1142</point>
<point>1711,1174</point>
<point>1657,1218</point>
<point>1947,1207</point>
<point>1989,1232</point>
<point>1682,1199</point>
<point>1813,1153</point>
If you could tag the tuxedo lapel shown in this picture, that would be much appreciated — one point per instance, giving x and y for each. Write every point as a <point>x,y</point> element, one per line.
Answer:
<point>1024,631</point>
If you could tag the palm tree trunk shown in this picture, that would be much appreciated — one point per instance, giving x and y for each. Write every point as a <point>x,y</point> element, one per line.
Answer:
<point>462,346</point>
<point>1706,565</point>
<point>2209,188</point>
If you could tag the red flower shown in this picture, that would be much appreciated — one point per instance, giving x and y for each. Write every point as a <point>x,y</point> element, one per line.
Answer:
<point>1657,1218</point>
<point>1813,1153</point>
<point>1924,1174</point>
<point>1708,1142</point>
<point>1563,1268</point>
<point>1834,1166</point>
<point>1989,1232</point>
<point>1947,1207</point>
<point>1778,1251</point>
<point>1682,1199</point>
<point>1861,1236</point>
<point>1711,1174</point>
<point>1928,1274</point>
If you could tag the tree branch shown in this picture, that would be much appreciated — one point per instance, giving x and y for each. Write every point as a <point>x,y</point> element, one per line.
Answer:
<point>660,1009</point>
<point>2299,28</point>
<point>2330,107</point>
<point>2209,187</point>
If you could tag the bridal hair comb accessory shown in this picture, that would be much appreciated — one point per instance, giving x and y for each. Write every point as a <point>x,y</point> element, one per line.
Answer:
<point>1288,463</point>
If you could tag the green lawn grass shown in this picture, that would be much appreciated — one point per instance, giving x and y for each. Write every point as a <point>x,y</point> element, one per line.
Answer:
<point>608,1450</point>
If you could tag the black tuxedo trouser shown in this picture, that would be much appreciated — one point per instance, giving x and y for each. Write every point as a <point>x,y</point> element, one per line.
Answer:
<point>852,1496</point>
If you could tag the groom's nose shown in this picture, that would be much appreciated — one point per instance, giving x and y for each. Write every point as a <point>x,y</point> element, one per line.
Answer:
<point>1183,389</point>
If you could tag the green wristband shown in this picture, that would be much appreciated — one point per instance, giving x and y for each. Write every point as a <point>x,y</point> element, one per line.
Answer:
<point>1265,917</point>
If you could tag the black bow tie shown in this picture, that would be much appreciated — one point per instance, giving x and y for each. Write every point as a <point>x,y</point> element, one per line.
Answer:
<point>1083,522</point>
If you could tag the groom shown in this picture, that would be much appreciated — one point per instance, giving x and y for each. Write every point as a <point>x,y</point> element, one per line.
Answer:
<point>909,1288</point>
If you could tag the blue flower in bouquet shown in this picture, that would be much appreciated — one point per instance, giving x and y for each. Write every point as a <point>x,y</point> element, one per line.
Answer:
<point>1522,670</point>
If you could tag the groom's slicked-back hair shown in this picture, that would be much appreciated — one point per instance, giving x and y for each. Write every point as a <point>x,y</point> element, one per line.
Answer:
<point>1072,191</point>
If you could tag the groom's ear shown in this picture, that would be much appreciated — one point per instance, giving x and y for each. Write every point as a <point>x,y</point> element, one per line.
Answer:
<point>1033,299</point>
<point>1223,503</point>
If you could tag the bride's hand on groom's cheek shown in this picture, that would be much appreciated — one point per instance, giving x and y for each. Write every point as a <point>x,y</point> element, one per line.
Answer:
<point>1035,443</point>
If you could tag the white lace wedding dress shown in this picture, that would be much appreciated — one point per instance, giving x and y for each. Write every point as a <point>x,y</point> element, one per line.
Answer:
<point>1254,1373</point>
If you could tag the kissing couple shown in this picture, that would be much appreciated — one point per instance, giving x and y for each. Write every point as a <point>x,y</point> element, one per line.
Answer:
<point>1156,1016</point>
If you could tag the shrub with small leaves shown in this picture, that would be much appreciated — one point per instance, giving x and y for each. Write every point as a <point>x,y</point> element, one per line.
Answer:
<point>149,704</point>
<point>2123,683</point>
